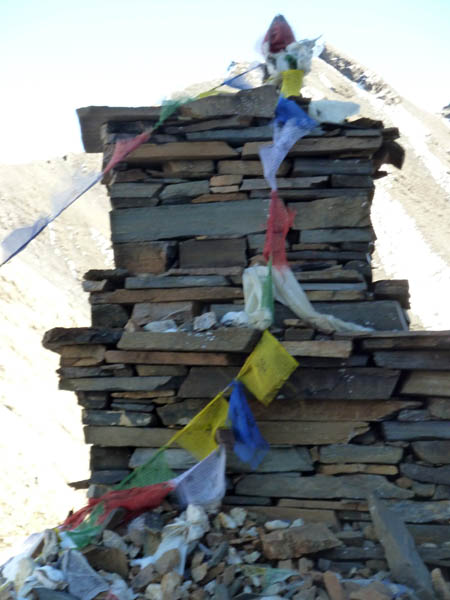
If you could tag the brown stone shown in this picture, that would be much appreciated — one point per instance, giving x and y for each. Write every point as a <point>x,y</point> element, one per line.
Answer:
<point>156,153</point>
<point>298,541</point>
<point>300,409</point>
<point>221,340</point>
<point>82,356</point>
<point>333,586</point>
<point>168,561</point>
<point>229,196</point>
<point>214,253</point>
<point>358,468</point>
<point>206,382</point>
<point>247,167</point>
<point>305,433</point>
<point>145,257</point>
<point>321,348</point>
<point>289,513</point>
<point>321,146</point>
<point>427,383</point>
<point>112,560</point>
<point>225,180</point>
<point>204,294</point>
<point>174,358</point>
<point>188,168</point>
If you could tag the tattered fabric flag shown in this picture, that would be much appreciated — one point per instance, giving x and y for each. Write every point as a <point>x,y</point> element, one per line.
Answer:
<point>204,483</point>
<point>241,81</point>
<point>267,368</point>
<point>249,445</point>
<point>19,239</point>
<point>291,123</point>
<point>84,524</point>
<point>199,436</point>
<point>124,147</point>
<point>155,470</point>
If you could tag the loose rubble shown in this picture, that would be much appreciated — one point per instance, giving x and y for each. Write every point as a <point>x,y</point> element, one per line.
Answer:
<point>227,554</point>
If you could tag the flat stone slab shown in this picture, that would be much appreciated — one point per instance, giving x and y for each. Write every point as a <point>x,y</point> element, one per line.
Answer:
<point>300,409</point>
<point>428,430</point>
<point>378,314</point>
<point>332,213</point>
<point>325,166</point>
<point>319,486</point>
<point>134,190</point>
<point>427,383</point>
<point>259,102</point>
<point>354,453</point>
<point>305,433</point>
<point>437,475</point>
<point>323,145</point>
<point>403,559</point>
<point>147,437</point>
<point>433,360</point>
<point>221,340</point>
<point>165,222</point>
<point>92,118</point>
<point>157,153</point>
<point>436,452</point>
<point>190,189</point>
<point>142,282</point>
<point>117,384</point>
<point>341,384</point>
<point>58,337</point>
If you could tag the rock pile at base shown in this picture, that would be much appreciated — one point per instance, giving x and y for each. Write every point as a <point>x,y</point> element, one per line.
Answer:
<point>166,554</point>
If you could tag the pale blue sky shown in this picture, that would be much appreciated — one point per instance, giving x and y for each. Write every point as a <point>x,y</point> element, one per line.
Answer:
<point>59,55</point>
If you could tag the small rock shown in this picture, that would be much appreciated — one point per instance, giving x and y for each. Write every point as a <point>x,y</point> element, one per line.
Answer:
<point>111,539</point>
<point>145,576</point>
<point>199,572</point>
<point>308,594</point>
<point>298,541</point>
<point>221,592</point>
<point>333,586</point>
<point>239,515</point>
<point>154,592</point>
<point>439,585</point>
<point>233,557</point>
<point>170,584</point>
<point>297,523</point>
<point>205,321</point>
<point>276,524</point>
<point>404,482</point>
<point>197,559</point>
<point>168,561</point>
<point>166,326</point>
<point>286,564</point>
<point>252,557</point>
<point>226,521</point>
<point>305,565</point>
<point>373,591</point>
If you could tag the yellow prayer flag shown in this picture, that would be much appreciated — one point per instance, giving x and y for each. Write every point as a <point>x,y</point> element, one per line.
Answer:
<point>292,81</point>
<point>267,368</point>
<point>199,436</point>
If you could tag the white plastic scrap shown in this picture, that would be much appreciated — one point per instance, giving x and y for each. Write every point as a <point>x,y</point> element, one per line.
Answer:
<point>332,111</point>
<point>189,527</point>
<point>235,319</point>
<point>84,582</point>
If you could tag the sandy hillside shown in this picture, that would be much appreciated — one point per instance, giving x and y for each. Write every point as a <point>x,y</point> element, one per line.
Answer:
<point>41,444</point>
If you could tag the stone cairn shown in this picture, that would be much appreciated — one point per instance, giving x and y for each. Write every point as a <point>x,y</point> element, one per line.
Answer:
<point>364,413</point>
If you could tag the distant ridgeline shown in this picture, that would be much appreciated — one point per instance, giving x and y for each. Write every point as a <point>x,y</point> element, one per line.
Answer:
<point>365,411</point>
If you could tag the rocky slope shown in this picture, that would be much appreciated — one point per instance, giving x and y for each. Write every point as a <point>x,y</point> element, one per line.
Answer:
<point>41,443</point>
